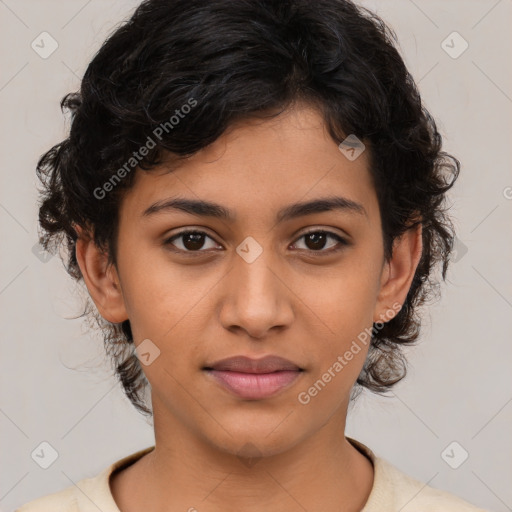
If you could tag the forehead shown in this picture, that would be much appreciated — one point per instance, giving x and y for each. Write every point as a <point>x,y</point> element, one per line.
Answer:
<point>257,166</point>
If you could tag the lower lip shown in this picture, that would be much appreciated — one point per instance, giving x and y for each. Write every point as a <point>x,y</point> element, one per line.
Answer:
<point>255,386</point>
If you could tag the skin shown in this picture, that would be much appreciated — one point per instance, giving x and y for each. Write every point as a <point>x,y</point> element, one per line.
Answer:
<point>295,300</point>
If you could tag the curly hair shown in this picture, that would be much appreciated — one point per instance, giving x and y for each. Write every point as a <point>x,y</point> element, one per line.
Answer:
<point>255,60</point>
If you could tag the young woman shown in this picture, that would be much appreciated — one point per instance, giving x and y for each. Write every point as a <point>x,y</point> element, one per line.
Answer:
<point>254,198</point>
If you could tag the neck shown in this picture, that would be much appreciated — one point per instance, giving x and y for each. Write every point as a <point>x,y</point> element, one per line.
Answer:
<point>186,472</point>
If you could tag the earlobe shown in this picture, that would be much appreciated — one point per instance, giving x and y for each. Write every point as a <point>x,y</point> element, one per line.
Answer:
<point>398,273</point>
<point>100,278</point>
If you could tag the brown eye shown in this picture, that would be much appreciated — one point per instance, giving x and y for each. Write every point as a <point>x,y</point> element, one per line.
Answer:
<point>192,241</point>
<point>197,241</point>
<point>316,241</point>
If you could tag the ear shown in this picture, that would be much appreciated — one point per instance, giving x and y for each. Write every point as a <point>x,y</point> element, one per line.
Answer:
<point>102,281</point>
<point>398,273</point>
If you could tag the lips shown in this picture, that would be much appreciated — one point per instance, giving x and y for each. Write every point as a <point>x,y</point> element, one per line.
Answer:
<point>243,364</point>
<point>254,379</point>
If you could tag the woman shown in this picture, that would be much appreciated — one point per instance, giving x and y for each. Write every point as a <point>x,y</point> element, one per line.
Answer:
<point>254,198</point>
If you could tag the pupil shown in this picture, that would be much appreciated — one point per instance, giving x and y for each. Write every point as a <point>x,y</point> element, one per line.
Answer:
<point>314,237</point>
<point>197,241</point>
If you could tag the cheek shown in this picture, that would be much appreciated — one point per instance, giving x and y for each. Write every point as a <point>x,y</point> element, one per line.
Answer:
<point>345,298</point>
<point>159,296</point>
<point>171,306</point>
<point>345,303</point>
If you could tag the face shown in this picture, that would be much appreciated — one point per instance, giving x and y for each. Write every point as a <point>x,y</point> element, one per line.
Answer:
<point>300,283</point>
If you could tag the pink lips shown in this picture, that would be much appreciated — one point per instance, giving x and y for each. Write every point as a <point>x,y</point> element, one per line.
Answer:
<point>254,378</point>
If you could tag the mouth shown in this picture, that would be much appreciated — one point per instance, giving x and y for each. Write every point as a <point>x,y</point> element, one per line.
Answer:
<point>254,379</point>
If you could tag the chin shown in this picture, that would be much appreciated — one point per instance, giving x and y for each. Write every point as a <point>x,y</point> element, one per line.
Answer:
<point>255,438</point>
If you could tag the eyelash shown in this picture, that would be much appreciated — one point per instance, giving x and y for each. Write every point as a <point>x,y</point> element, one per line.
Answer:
<point>342,241</point>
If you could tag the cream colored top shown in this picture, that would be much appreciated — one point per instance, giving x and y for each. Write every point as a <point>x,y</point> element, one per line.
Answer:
<point>392,491</point>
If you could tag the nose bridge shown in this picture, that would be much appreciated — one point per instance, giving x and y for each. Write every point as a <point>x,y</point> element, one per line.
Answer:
<point>253,269</point>
<point>256,298</point>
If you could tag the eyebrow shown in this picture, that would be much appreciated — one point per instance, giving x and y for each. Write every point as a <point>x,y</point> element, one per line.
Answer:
<point>204,208</point>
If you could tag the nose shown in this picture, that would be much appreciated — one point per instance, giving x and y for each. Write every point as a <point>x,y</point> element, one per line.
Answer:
<point>256,297</point>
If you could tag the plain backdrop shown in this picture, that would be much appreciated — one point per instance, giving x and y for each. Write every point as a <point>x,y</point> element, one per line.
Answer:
<point>55,385</point>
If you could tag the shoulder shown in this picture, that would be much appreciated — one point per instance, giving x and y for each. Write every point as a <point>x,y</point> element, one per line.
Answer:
<point>411,495</point>
<point>62,501</point>
<point>394,490</point>
<point>87,495</point>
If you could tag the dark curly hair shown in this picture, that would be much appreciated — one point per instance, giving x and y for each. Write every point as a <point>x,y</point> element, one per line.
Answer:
<point>235,61</point>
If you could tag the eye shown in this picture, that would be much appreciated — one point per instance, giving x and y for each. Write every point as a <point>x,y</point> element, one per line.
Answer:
<point>192,241</point>
<point>315,241</point>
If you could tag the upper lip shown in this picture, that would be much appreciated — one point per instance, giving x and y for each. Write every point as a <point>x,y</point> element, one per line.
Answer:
<point>245,364</point>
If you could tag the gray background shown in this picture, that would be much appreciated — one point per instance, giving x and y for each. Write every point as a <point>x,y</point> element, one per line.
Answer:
<point>55,386</point>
